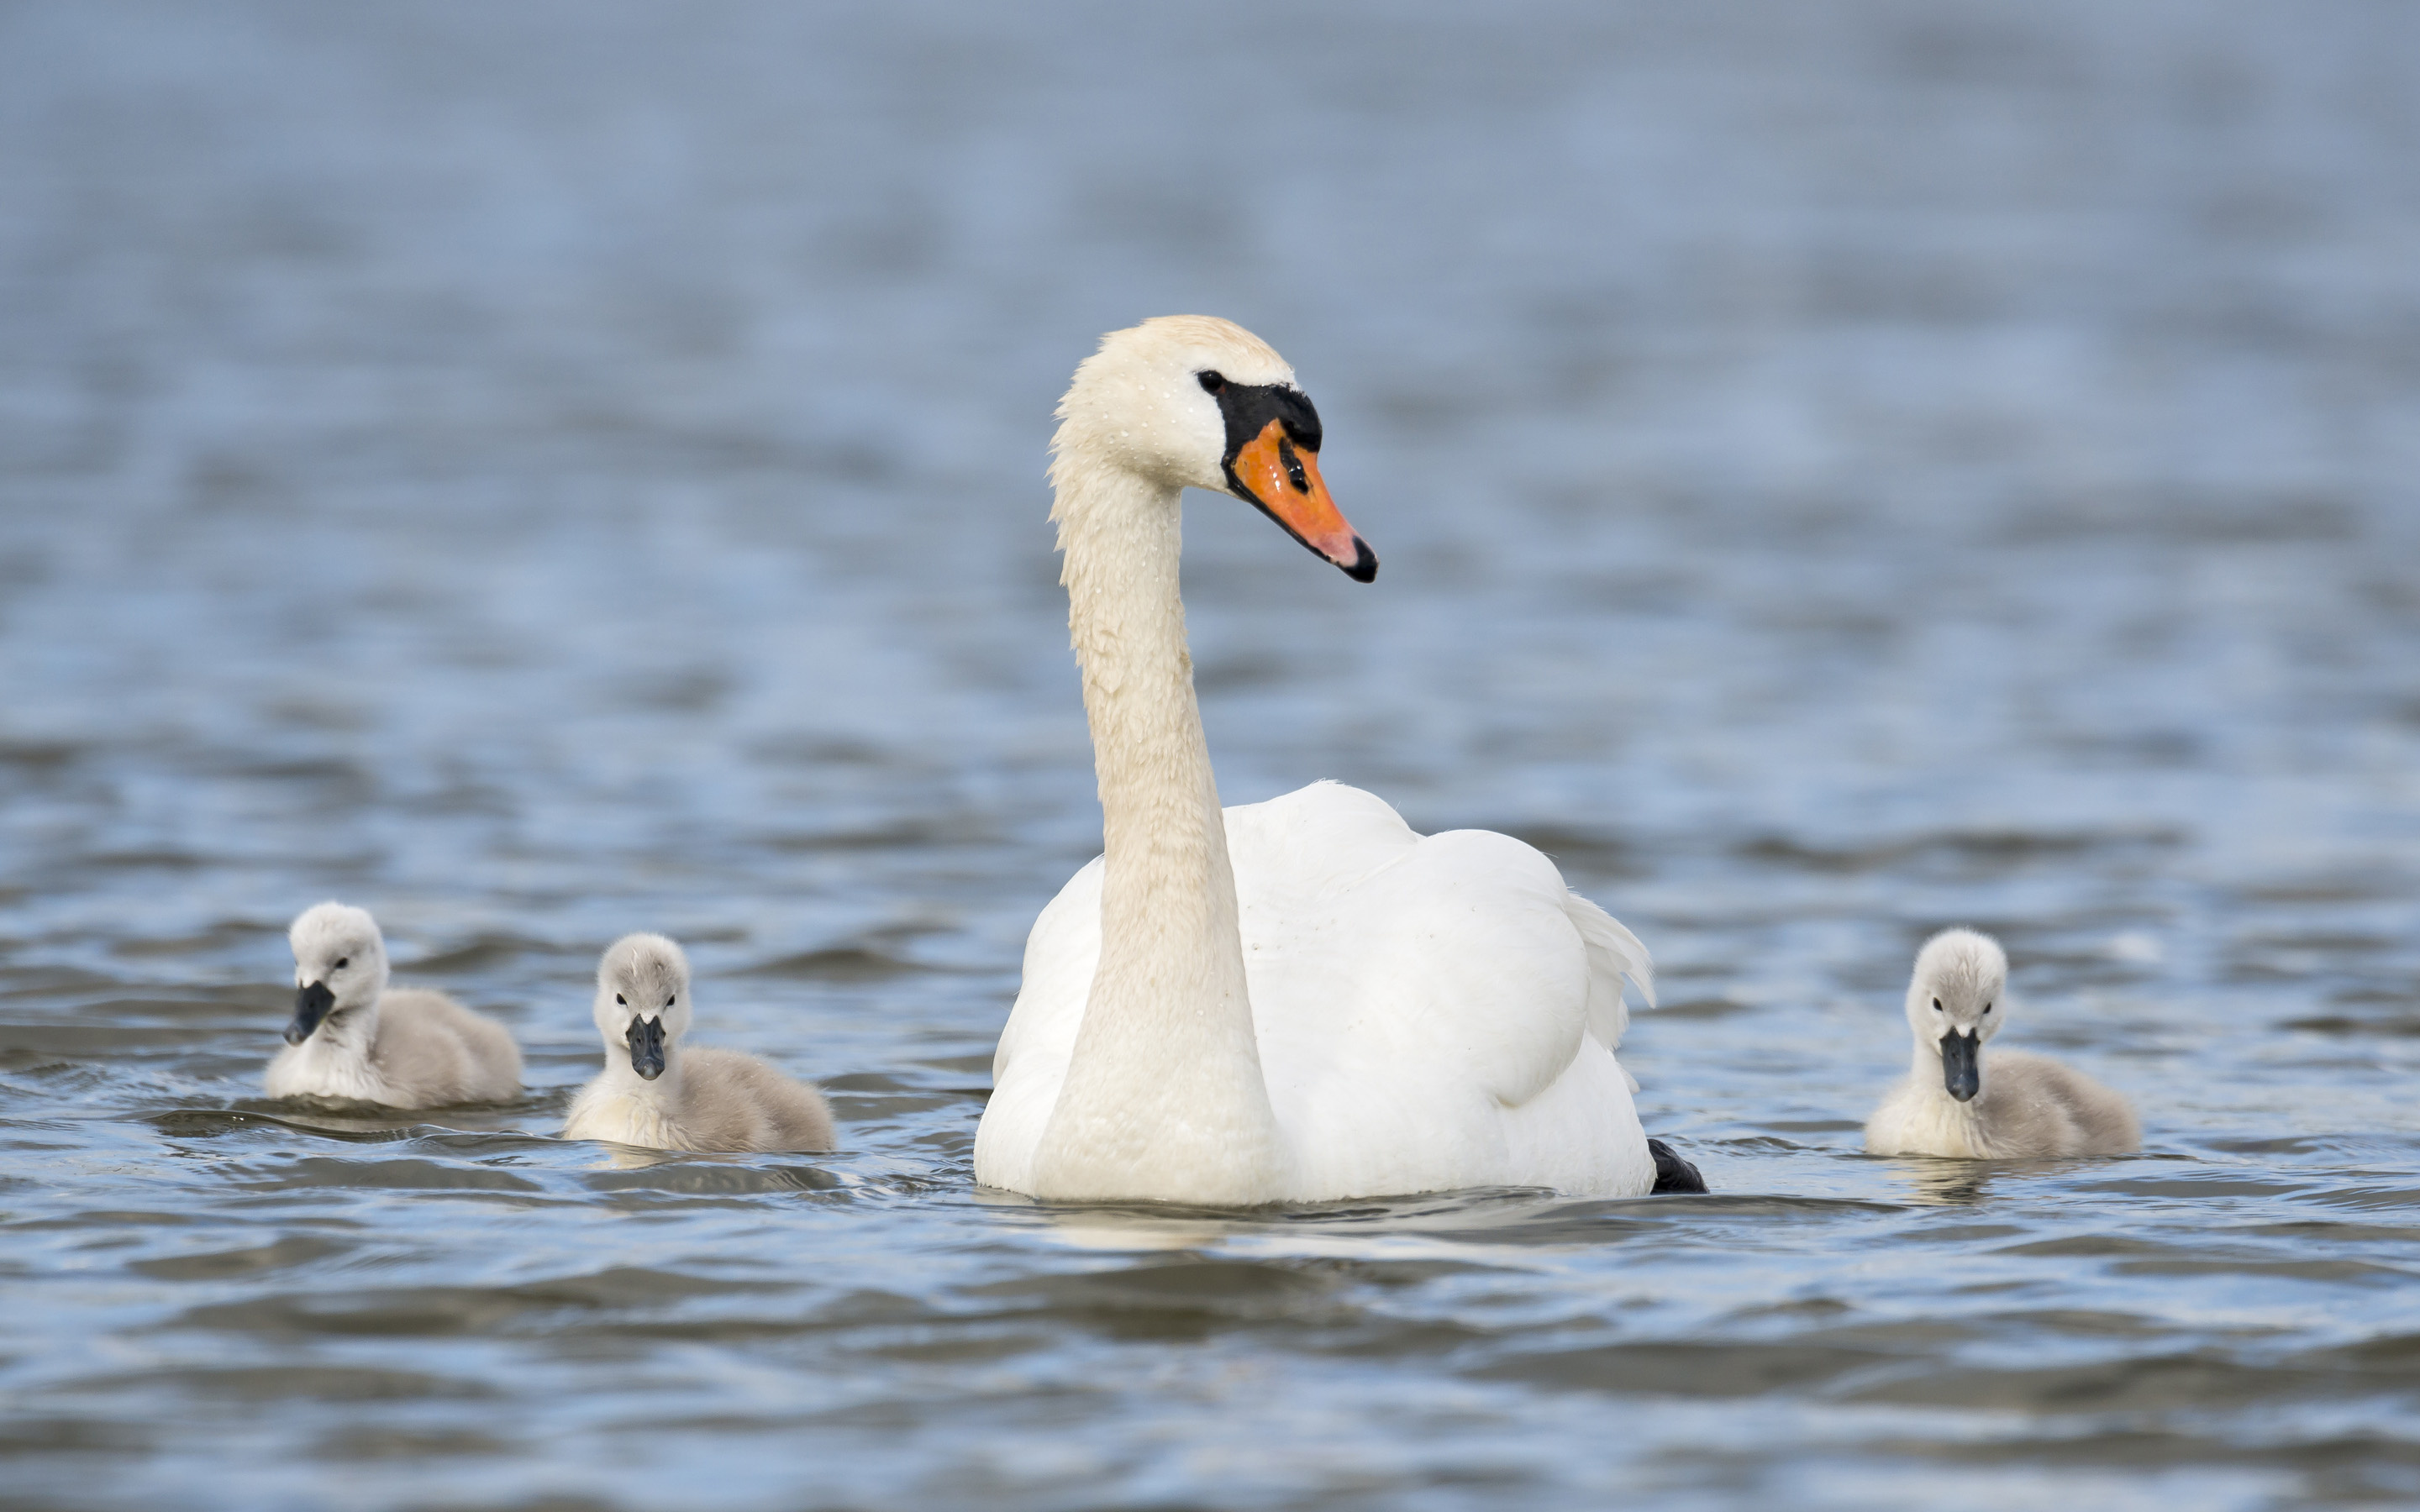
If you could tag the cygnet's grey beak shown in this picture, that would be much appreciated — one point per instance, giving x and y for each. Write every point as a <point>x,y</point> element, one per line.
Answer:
<point>1960,1070</point>
<point>311,1005</point>
<point>646,1038</point>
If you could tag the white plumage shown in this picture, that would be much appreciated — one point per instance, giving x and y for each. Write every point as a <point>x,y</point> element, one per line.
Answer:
<point>1299,999</point>
<point>1430,1012</point>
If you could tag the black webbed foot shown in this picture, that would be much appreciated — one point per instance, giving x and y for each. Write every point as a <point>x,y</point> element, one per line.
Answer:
<point>1672,1173</point>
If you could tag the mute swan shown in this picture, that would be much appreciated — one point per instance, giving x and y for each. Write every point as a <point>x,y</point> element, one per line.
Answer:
<point>658,1094</point>
<point>1292,1000</point>
<point>2009,1105</point>
<point>353,1038</point>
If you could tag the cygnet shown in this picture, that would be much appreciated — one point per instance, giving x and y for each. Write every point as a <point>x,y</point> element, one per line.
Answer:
<point>353,1038</point>
<point>658,1093</point>
<point>2007,1106</point>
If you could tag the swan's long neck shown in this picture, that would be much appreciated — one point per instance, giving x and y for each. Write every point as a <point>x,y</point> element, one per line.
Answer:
<point>1163,1094</point>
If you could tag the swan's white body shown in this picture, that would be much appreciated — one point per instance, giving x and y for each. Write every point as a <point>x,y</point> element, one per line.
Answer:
<point>1430,1012</point>
<point>1296,1000</point>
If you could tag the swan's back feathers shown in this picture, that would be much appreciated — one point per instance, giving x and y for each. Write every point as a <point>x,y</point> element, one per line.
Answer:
<point>1615,956</point>
<point>735,1101</point>
<point>432,1050</point>
<point>2058,1110</point>
<point>1317,839</point>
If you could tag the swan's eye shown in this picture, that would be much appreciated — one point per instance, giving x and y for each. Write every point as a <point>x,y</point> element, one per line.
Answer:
<point>1987,1008</point>
<point>668,1002</point>
<point>343,960</point>
<point>1936,1004</point>
<point>625,1002</point>
<point>1212,381</point>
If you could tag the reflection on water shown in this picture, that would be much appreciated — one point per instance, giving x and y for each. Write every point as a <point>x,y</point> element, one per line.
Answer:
<point>551,471</point>
<point>1952,1183</point>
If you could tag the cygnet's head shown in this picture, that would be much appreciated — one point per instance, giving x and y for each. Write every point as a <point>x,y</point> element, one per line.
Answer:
<point>1192,401</point>
<point>642,1000</point>
<point>339,966</point>
<point>1957,999</point>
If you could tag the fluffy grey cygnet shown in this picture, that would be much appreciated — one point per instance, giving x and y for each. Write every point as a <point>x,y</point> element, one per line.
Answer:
<point>352,1037</point>
<point>658,1093</point>
<point>2007,1106</point>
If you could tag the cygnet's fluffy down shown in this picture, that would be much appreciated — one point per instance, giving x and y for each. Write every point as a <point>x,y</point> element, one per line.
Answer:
<point>659,1093</point>
<point>353,1038</point>
<point>1960,1102</point>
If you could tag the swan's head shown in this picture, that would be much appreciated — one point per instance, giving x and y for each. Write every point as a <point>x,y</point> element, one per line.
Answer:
<point>1192,401</point>
<point>642,1000</point>
<point>1957,999</point>
<point>339,967</point>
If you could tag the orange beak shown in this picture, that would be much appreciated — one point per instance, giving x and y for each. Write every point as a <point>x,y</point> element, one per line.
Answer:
<point>1283,479</point>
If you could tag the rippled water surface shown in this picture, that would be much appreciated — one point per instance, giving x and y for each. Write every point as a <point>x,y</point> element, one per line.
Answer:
<point>543,471</point>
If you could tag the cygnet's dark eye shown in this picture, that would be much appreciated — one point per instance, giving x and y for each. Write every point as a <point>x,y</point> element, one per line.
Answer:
<point>1936,1004</point>
<point>343,960</point>
<point>1212,380</point>
<point>668,1002</point>
<point>1987,1008</point>
<point>625,1002</point>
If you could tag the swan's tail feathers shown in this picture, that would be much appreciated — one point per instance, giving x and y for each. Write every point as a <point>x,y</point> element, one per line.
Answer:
<point>1614,954</point>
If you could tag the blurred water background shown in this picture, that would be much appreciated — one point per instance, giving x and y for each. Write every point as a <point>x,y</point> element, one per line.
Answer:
<point>541,470</point>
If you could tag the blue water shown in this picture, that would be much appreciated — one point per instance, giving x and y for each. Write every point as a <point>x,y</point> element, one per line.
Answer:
<point>540,472</point>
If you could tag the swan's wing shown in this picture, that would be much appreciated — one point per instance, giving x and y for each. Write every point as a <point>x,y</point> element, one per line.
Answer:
<point>1467,968</point>
<point>1032,1061</point>
<point>1061,953</point>
<point>1505,909</point>
<point>1615,955</point>
<point>1432,1011</point>
<point>425,1050</point>
<point>736,1100</point>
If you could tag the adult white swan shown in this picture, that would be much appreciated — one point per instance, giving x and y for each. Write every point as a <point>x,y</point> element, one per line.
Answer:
<point>1299,999</point>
